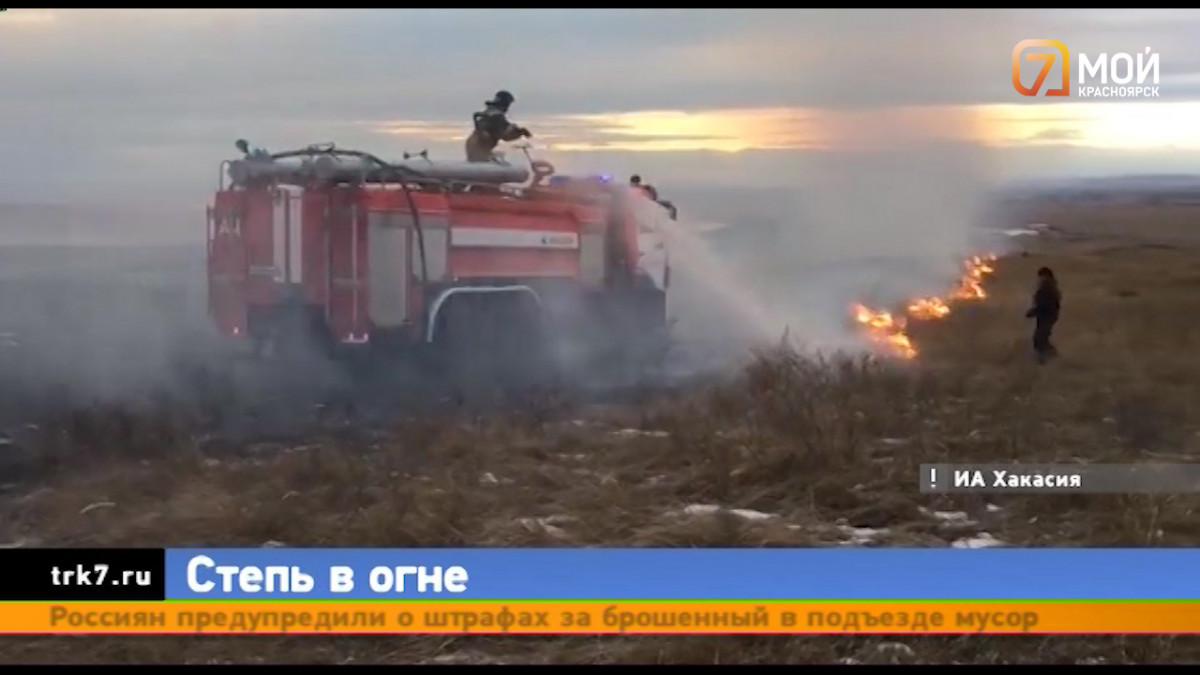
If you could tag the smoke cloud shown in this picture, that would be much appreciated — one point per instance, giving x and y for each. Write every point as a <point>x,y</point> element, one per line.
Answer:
<point>880,212</point>
<point>885,210</point>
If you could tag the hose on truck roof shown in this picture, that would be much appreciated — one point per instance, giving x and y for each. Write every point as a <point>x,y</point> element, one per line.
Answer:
<point>388,169</point>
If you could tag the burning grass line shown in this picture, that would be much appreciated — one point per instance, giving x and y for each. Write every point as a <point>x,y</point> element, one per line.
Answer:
<point>891,332</point>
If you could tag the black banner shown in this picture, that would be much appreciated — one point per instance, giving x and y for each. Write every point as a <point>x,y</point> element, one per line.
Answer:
<point>83,574</point>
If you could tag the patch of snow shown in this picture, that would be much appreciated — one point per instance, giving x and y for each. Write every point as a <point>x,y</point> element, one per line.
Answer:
<point>951,516</point>
<point>862,535</point>
<point>713,509</point>
<point>752,515</point>
<point>555,531</point>
<point>97,505</point>
<point>949,520</point>
<point>628,433</point>
<point>981,540</point>
<point>559,519</point>
<point>452,658</point>
<point>992,508</point>
<point>489,478</point>
<point>549,524</point>
<point>271,543</point>
<point>894,649</point>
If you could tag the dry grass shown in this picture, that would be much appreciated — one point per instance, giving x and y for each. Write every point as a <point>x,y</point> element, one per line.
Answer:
<point>1166,223</point>
<point>825,447</point>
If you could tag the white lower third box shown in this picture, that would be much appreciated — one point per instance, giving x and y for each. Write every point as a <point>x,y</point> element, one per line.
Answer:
<point>1061,478</point>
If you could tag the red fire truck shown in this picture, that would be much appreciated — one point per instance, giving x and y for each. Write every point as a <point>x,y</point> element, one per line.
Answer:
<point>445,261</point>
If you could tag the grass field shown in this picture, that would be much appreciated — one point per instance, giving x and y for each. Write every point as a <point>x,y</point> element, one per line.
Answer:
<point>828,450</point>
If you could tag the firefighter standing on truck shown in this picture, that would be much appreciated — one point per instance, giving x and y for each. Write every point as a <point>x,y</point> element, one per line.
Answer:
<point>635,181</point>
<point>491,127</point>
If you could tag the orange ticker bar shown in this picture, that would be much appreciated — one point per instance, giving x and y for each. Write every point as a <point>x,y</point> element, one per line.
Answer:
<point>597,618</point>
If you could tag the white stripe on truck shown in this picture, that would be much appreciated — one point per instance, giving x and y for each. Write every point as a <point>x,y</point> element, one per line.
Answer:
<point>490,237</point>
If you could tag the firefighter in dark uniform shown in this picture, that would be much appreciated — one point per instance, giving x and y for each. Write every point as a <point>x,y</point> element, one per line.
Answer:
<point>1046,302</point>
<point>491,127</point>
<point>636,182</point>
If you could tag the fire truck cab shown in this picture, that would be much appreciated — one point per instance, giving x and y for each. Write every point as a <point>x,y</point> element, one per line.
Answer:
<point>442,260</point>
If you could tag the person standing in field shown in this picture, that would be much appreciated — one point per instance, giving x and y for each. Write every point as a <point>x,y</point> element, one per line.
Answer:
<point>1046,303</point>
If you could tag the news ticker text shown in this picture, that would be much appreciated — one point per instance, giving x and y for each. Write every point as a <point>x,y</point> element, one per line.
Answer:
<point>561,575</point>
<point>448,617</point>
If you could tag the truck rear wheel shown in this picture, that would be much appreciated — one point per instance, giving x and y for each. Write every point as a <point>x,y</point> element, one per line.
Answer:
<point>492,341</point>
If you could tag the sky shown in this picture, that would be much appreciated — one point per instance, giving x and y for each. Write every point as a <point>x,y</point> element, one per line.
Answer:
<point>872,135</point>
<point>102,105</point>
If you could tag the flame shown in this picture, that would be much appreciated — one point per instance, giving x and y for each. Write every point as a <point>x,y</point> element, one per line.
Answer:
<point>970,286</point>
<point>886,330</point>
<point>928,308</point>
<point>891,331</point>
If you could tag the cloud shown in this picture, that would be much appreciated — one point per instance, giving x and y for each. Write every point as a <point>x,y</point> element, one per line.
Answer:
<point>102,101</point>
<point>18,19</point>
<point>1107,124</point>
<point>1056,134</point>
